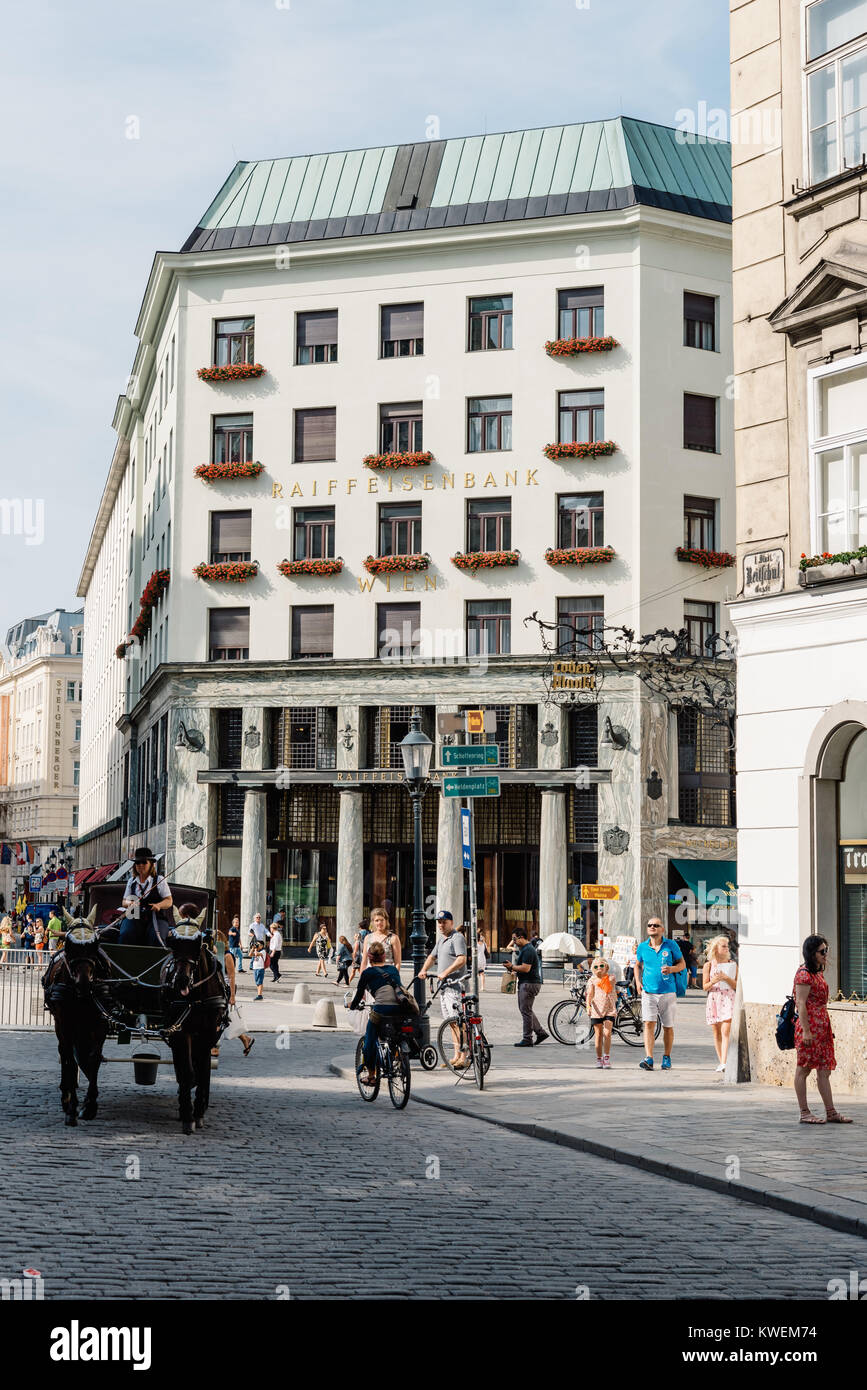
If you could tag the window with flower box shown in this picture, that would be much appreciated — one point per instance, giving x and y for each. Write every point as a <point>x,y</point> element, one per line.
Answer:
<point>699,321</point>
<point>699,523</point>
<point>580,623</point>
<point>489,627</point>
<point>581,313</point>
<point>838,440</point>
<point>700,423</point>
<point>233,439</point>
<point>581,417</point>
<point>233,342</point>
<point>400,528</point>
<point>313,533</point>
<point>228,634</point>
<point>316,337</point>
<point>489,524</point>
<point>580,520</point>
<point>402,330</point>
<point>400,428</point>
<point>489,424</point>
<point>490,326</point>
<point>230,536</point>
<point>316,435</point>
<point>836,82</point>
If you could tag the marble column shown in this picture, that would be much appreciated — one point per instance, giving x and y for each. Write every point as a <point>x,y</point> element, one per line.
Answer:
<point>450,866</point>
<point>253,742</point>
<point>350,862</point>
<point>190,816</point>
<point>552,862</point>
<point>253,856</point>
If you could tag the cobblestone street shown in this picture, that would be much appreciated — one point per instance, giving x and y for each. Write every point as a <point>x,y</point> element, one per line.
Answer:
<point>297,1185</point>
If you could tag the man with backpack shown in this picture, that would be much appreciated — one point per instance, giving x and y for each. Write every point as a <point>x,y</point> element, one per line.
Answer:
<point>658,961</point>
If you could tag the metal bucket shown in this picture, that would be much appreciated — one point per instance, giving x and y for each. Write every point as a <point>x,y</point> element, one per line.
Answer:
<point>145,1066</point>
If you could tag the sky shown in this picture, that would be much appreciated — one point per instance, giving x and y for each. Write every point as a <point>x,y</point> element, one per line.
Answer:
<point>202,84</point>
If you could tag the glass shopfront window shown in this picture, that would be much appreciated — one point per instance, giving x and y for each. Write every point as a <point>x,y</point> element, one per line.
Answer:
<point>852,804</point>
<point>306,890</point>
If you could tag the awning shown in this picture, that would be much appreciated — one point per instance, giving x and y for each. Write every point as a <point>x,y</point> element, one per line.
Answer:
<point>709,878</point>
<point>99,875</point>
<point>82,876</point>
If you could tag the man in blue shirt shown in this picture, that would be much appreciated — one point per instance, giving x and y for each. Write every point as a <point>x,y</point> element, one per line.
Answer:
<point>657,962</point>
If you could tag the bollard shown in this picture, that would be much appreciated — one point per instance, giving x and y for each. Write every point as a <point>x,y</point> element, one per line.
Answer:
<point>324,1015</point>
<point>301,995</point>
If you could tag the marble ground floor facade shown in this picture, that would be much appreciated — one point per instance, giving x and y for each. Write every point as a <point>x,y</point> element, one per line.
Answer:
<point>280,785</point>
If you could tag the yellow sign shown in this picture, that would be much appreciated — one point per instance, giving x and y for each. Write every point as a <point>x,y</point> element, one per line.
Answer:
<point>573,675</point>
<point>607,891</point>
<point>475,721</point>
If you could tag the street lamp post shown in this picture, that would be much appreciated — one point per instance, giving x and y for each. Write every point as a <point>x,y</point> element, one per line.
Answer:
<point>416,750</point>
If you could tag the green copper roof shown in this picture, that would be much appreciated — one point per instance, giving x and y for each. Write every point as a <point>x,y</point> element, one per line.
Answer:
<point>557,170</point>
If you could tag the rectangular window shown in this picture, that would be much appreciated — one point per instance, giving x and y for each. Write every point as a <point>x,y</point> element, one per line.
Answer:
<point>230,536</point>
<point>490,327</point>
<point>77,735</point>
<point>831,23</point>
<point>580,520</point>
<point>581,417</point>
<point>172,377</point>
<point>489,424</point>
<point>70,691</point>
<point>699,523</point>
<point>699,321</point>
<point>233,342</point>
<point>581,623</point>
<point>489,524</point>
<point>312,632</point>
<point>400,528</point>
<point>489,627</point>
<point>402,330</point>
<point>397,629</point>
<point>316,435</point>
<point>229,634</point>
<point>76,773</point>
<point>400,428</point>
<point>839,460</point>
<point>316,337</point>
<point>706,768</point>
<point>233,439</point>
<point>836,89</point>
<point>75,817</point>
<point>700,622</point>
<point>700,423</point>
<point>171,451</point>
<point>313,533</point>
<point>581,313</point>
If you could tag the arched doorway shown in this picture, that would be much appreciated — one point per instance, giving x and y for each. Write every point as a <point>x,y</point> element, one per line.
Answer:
<point>852,839</point>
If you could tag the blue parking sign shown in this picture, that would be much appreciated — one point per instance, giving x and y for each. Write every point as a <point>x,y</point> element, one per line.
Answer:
<point>465,839</point>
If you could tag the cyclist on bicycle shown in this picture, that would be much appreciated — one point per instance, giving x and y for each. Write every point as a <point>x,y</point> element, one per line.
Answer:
<point>383,982</point>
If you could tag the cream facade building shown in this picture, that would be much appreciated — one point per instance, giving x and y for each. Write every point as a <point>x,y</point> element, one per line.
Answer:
<point>401,299</point>
<point>799,112</point>
<point>40,741</point>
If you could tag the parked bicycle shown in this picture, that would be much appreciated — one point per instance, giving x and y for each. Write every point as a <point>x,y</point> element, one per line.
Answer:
<point>392,1062</point>
<point>570,1023</point>
<point>472,1040</point>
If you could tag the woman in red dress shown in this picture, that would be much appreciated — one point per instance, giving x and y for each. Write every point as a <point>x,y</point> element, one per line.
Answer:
<point>813,1037</point>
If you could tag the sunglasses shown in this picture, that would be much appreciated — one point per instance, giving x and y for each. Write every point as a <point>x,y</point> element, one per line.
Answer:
<point>822,951</point>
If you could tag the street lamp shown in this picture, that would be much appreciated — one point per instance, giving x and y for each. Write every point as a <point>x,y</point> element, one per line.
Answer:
<point>416,750</point>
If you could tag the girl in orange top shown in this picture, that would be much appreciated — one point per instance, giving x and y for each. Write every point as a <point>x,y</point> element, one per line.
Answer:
<point>601,1004</point>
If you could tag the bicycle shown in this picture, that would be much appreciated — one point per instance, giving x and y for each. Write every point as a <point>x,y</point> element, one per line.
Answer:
<point>568,1026</point>
<point>392,1062</point>
<point>471,1038</point>
<point>419,1050</point>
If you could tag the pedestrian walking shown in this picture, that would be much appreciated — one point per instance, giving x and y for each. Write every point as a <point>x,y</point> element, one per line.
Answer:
<point>450,955</point>
<point>357,950</point>
<point>344,959</point>
<point>275,950</point>
<point>234,944</point>
<point>322,944</point>
<point>53,930</point>
<point>527,970</point>
<point>380,931</point>
<point>237,1021</point>
<point>7,941</point>
<point>600,1002</point>
<point>39,942</point>
<point>257,965</point>
<point>687,950</point>
<point>813,1037</point>
<point>719,977</point>
<point>27,940</point>
<point>658,960</point>
<point>256,931</point>
<point>481,958</point>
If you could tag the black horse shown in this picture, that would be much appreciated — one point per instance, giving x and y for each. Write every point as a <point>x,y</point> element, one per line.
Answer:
<point>195,999</point>
<point>68,986</point>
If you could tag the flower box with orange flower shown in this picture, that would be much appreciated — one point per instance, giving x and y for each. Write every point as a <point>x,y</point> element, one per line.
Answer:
<point>574,347</point>
<point>291,568</point>
<point>580,555</point>
<point>418,459</point>
<point>235,371</point>
<point>221,472</point>
<point>395,564</point>
<point>228,571</point>
<point>708,559</point>
<point>594,449</point>
<point>485,559</point>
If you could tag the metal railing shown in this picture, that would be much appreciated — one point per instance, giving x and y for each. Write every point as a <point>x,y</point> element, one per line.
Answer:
<point>21,1001</point>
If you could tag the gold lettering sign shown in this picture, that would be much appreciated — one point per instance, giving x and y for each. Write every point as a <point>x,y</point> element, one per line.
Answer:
<point>573,675</point>
<point>419,480</point>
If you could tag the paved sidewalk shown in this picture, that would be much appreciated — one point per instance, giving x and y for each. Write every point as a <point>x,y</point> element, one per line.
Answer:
<point>685,1124</point>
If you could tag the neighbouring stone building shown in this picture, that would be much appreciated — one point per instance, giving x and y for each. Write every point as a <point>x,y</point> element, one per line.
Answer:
<point>799,112</point>
<point>388,404</point>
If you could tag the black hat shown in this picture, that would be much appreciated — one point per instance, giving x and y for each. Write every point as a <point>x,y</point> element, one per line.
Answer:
<point>143,855</point>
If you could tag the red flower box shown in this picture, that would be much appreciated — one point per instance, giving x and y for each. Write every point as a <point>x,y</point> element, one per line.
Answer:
<point>572,347</point>
<point>485,559</point>
<point>844,557</point>
<point>708,559</point>
<point>395,564</point>
<point>121,650</point>
<point>291,567</point>
<point>151,594</point>
<point>582,555</point>
<point>228,571</point>
<point>406,460</point>
<point>238,371</point>
<point>595,450</point>
<point>217,472</point>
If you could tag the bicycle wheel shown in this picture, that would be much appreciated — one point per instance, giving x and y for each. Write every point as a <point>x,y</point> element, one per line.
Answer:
<point>367,1092</point>
<point>628,1024</point>
<point>399,1078</point>
<point>481,1055</point>
<point>446,1046</point>
<point>428,1057</point>
<point>569,1023</point>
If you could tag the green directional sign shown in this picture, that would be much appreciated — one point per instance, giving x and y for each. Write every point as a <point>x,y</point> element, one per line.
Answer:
<point>478,755</point>
<point>471,786</point>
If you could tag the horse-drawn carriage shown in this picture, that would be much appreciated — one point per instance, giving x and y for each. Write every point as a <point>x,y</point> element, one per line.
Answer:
<point>98,988</point>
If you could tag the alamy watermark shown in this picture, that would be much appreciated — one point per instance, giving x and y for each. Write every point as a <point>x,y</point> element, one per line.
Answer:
<point>23,516</point>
